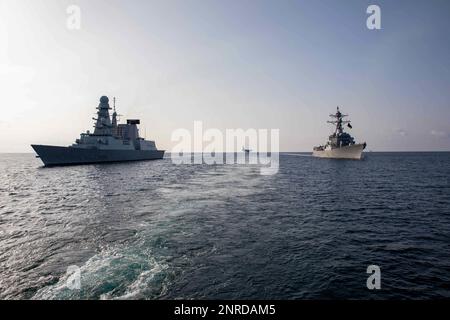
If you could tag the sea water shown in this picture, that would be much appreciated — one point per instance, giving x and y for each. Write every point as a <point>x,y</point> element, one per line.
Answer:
<point>156,230</point>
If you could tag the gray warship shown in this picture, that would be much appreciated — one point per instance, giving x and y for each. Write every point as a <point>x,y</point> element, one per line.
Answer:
<point>340,145</point>
<point>110,142</point>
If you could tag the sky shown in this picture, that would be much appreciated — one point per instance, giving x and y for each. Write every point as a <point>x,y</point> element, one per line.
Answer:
<point>231,64</point>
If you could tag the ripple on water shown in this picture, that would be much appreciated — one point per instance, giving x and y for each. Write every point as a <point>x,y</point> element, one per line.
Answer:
<point>155,230</point>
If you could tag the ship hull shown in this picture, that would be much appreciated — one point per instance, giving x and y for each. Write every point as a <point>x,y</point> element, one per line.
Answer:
<point>348,152</point>
<point>65,156</point>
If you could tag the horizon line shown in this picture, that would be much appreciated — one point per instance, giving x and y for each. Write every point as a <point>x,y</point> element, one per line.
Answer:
<point>193,152</point>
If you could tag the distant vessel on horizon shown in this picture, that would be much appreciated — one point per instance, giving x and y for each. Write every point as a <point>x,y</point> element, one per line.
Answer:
<point>340,144</point>
<point>246,150</point>
<point>110,142</point>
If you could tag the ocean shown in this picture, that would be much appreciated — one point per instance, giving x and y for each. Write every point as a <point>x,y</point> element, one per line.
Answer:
<point>157,230</point>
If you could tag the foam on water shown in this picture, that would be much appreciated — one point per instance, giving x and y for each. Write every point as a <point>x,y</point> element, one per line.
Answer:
<point>122,273</point>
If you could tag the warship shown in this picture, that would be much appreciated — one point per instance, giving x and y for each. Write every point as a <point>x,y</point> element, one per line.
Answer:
<point>246,150</point>
<point>340,145</point>
<point>110,142</point>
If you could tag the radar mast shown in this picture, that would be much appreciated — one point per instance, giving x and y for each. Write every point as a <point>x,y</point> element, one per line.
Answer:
<point>339,121</point>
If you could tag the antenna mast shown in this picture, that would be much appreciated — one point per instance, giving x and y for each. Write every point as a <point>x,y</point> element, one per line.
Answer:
<point>339,121</point>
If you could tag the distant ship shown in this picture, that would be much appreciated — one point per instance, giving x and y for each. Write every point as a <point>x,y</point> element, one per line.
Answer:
<point>246,150</point>
<point>110,142</point>
<point>340,145</point>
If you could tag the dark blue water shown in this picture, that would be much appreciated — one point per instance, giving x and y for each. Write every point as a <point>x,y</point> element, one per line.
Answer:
<point>155,230</point>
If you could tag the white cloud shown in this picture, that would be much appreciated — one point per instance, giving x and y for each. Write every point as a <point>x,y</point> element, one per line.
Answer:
<point>401,132</point>
<point>439,134</point>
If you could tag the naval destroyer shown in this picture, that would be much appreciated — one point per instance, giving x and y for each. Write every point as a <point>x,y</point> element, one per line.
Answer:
<point>340,145</point>
<point>110,142</point>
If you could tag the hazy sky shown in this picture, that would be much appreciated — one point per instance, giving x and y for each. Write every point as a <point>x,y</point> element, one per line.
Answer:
<point>231,64</point>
